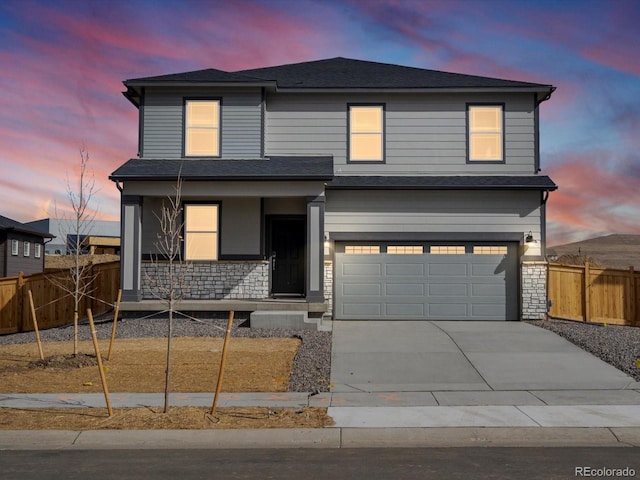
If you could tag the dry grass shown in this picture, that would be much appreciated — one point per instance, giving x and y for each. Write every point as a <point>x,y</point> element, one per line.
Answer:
<point>137,365</point>
<point>191,418</point>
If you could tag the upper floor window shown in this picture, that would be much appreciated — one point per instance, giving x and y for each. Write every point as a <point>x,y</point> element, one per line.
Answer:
<point>202,128</point>
<point>14,247</point>
<point>201,231</point>
<point>366,133</point>
<point>486,133</point>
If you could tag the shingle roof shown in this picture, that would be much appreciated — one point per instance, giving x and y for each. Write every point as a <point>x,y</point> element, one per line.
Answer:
<point>348,73</point>
<point>275,168</point>
<point>342,73</point>
<point>9,224</point>
<point>478,182</point>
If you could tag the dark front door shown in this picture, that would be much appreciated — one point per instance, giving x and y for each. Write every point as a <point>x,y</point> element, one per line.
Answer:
<point>288,235</point>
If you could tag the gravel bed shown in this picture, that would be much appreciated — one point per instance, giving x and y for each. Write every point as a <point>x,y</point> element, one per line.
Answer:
<point>311,367</point>
<point>617,345</point>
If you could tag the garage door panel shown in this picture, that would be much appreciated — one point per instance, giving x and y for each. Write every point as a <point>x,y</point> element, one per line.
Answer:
<point>373,289</point>
<point>362,270</point>
<point>405,309</point>
<point>448,269</point>
<point>405,289</point>
<point>405,270</point>
<point>451,289</point>
<point>356,310</point>
<point>427,286</point>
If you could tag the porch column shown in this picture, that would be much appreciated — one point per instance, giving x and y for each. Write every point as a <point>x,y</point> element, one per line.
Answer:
<point>315,249</point>
<point>130,234</point>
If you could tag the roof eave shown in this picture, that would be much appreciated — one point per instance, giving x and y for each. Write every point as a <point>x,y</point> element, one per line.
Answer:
<point>543,89</point>
<point>181,83</point>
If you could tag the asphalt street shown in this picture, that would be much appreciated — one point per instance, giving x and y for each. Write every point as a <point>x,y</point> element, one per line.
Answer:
<point>336,464</point>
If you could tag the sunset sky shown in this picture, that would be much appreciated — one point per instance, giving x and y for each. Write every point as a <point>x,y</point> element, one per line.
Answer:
<point>62,64</point>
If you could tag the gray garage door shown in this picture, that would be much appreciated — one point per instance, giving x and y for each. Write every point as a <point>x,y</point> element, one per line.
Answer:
<point>423,281</point>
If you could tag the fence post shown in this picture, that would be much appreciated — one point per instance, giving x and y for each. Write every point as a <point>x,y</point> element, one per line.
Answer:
<point>587,292</point>
<point>632,297</point>
<point>20,298</point>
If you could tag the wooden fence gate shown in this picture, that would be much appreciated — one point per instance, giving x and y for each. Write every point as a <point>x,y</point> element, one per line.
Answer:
<point>601,295</point>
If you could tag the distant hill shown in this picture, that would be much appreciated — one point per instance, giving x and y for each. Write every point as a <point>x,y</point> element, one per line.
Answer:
<point>614,251</point>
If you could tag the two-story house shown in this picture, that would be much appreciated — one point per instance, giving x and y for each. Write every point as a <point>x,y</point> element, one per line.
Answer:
<point>21,248</point>
<point>369,190</point>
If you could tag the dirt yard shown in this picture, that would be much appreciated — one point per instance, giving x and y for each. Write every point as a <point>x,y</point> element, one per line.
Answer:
<point>138,365</point>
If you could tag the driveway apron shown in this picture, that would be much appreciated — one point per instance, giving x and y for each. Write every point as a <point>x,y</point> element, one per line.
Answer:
<point>426,356</point>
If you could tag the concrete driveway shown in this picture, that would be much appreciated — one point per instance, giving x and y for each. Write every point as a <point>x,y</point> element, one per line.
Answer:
<point>398,356</point>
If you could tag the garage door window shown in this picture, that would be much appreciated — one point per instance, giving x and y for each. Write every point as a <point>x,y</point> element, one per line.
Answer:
<point>490,250</point>
<point>405,249</point>
<point>447,250</point>
<point>361,249</point>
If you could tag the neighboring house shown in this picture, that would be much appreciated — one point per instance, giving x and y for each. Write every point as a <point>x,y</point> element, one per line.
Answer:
<point>99,236</point>
<point>387,192</point>
<point>21,248</point>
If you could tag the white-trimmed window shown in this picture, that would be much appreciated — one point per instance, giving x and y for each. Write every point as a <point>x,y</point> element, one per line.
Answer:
<point>361,249</point>
<point>202,128</point>
<point>366,133</point>
<point>485,133</point>
<point>447,250</point>
<point>14,247</point>
<point>201,231</point>
<point>37,250</point>
<point>26,249</point>
<point>490,250</point>
<point>405,249</point>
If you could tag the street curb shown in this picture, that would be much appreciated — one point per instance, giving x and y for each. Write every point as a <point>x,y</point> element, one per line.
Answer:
<point>320,438</point>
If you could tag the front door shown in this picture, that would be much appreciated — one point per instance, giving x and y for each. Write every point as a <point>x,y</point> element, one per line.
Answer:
<point>287,253</point>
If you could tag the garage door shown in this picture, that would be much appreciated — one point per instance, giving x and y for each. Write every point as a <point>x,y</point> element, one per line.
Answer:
<point>426,281</point>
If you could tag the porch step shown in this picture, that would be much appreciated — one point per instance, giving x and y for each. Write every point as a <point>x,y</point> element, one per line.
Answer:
<point>282,319</point>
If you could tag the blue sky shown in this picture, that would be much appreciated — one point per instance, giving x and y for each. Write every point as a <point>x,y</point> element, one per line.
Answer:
<point>63,62</point>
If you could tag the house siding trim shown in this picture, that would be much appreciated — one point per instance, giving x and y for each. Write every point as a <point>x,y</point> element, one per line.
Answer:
<point>131,246</point>
<point>315,249</point>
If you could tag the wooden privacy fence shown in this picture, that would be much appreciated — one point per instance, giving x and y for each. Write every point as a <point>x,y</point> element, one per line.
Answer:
<point>601,295</point>
<point>54,306</point>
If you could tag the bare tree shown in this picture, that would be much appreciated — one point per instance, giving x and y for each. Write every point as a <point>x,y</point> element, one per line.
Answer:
<point>78,224</point>
<point>167,278</point>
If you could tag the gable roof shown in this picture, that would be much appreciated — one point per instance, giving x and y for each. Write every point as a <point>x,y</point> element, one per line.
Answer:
<point>7,224</point>
<point>340,74</point>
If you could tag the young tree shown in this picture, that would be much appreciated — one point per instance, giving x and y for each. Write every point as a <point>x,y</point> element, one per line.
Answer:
<point>78,224</point>
<point>167,278</point>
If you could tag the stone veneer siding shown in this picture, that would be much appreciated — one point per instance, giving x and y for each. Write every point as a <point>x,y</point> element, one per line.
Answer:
<point>328,286</point>
<point>237,280</point>
<point>534,290</point>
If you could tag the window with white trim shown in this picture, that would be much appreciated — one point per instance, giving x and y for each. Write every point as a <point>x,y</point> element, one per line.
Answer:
<point>366,135</point>
<point>37,250</point>
<point>485,133</point>
<point>447,250</point>
<point>14,247</point>
<point>26,249</point>
<point>201,231</point>
<point>361,249</point>
<point>202,128</point>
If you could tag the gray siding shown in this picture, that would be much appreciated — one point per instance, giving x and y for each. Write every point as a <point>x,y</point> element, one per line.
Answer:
<point>425,133</point>
<point>239,225</point>
<point>435,212</point>
<point>19,263</point>
<point>241,121</point>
